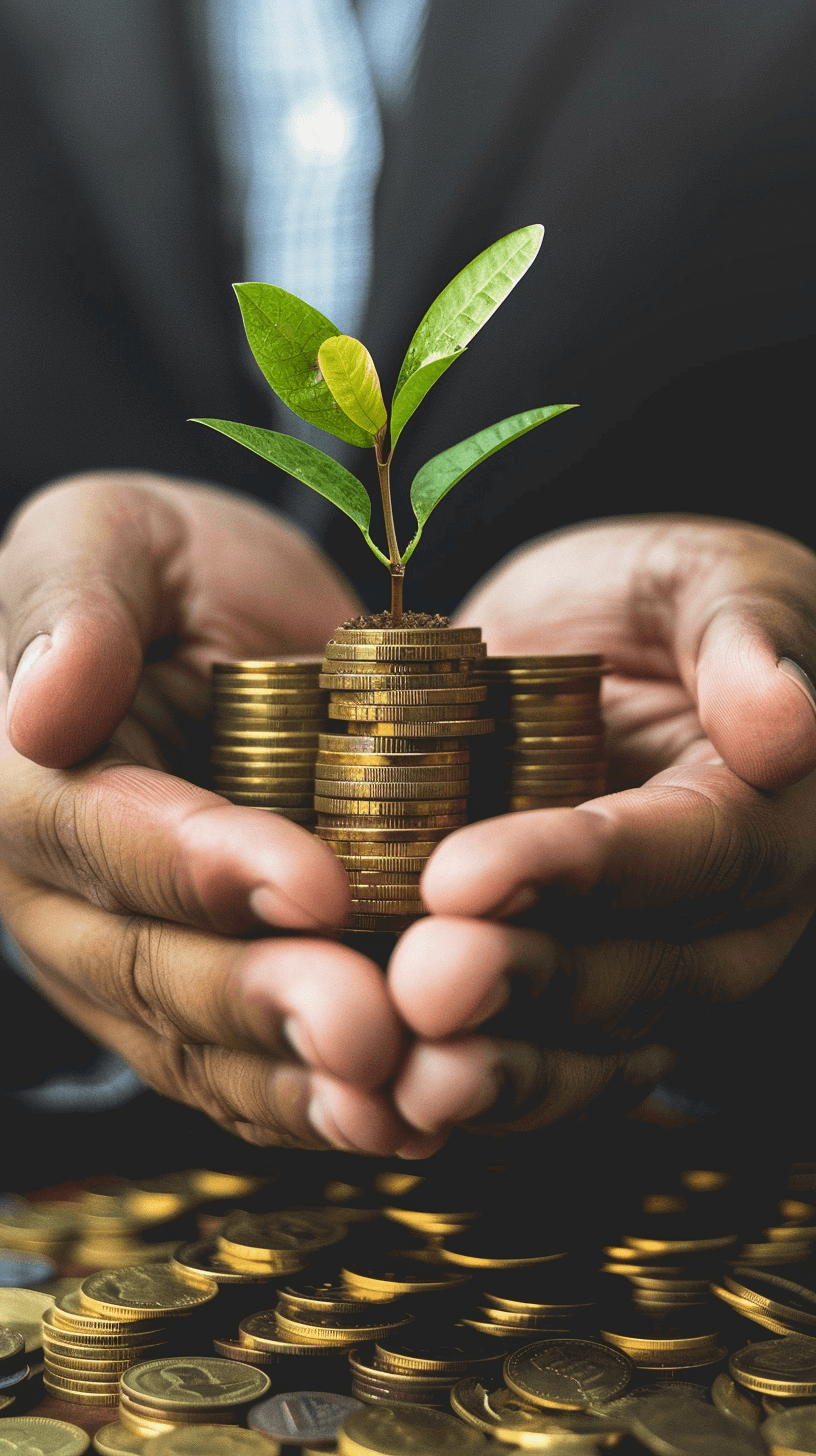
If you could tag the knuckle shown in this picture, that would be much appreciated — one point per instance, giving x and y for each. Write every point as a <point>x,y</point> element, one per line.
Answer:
<point>72,836</point>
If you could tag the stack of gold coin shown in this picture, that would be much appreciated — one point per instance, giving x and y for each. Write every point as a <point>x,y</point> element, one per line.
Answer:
<point>684,1340</point>
<point>769,1300</point>
<point>397,1430</point>
<point>549,748</point>
<point>185,1390</point>
<point>397,783</point>
<point>84,1354</point>
<point>266,721</point>
<point>44,1229</point>
<point>275,1243</point>
<point>421,1366</point>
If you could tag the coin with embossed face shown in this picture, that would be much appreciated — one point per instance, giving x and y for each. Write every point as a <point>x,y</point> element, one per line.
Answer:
<point>212,1441</point>
<point>302,1416</point>
<point>403,1430</point>
<point>777,1367</point>
<point>141,1289</point>
<point>194,1382</point>
<point>490,1406</point>
<point>568,1374</point>
<point>21,1311</point>
<point>38,1436</point>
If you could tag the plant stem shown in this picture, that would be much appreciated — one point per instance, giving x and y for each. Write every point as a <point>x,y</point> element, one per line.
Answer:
<point>395,565</point>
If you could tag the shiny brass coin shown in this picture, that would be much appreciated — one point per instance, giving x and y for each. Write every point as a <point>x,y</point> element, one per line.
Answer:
<point>430,713</point>
<point>325,1298</point>
<point>781,1298</point>
<point>398,733</point>
<point>491,1407</point>
<point>409,894</point>
<point>202,1258</point>
<point>80,1397</point>
<point>402,652</point>
<point>409,635</point>
<point>664,1246</point>
<point>369,879</point>
<point>296,816</point>
<point>734,1401</point>
<point>297,662</point>
<point>41,1436</point>
<point>424,834</point>
<point>285,742</point>
<point>130,1335</point>
<point>527,747</point>
<point>401,773</point>
<point>141,1289</point>
<point>182,1383</point>
<point>289,778</point>
<point>261,1333</point>
<point>551,722</point>
<point>165,1420</point>
<point>286,763</point>
<point>783,1367</point>
<point>234,1350</point>
<point>659,1343</point>
<point>388,808</point>
<point>402,1430</point>
<point>410,763</point>
<point>408,697</point>
<point>380,924</point>
<point>568,1374</point>
<point>450,790</point>
<point>374,863</point>
<point>116,1440</point>
<point>269,1234</point>
<point>301,717</point>
<point>399,668</point>
<point>541,786</point>
<point>214,1440</point>
<point>524,770</point>
<point>791,1433</point>
<point>368,682</point>
<point>751,1311</point>
<point>386,906</point>
<point>228,694</point>
<point>337,1329</point>
<point>557,701</point>
<point>93,1369</point>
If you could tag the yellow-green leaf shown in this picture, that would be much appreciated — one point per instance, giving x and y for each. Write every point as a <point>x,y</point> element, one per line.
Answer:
<point>349,373</point>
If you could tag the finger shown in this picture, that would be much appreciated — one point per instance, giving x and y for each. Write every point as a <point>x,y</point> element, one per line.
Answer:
<point>696,838</point>
<point>133,839</point>
<point>98,568</point>
<point>516,1086</point>
<point>324,1002</point>
<point>84,577</point>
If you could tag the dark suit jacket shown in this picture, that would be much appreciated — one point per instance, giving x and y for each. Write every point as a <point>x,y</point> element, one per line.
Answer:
<point>667,149</point>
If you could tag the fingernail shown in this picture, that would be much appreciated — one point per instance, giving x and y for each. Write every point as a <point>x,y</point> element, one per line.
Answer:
<point>797,675</point>
<point>299,1040</point>
<point>421,1146</point>
<point>494,1001</point>
<point>29,658</point>
<point>524,899</point>
<point>325,1126</point>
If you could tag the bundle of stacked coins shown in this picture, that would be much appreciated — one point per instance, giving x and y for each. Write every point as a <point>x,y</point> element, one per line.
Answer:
<point>549,748</point>
<point>94,1334</point>
<point>397,783</point>
<point>275,1243</point>
<point>422,1366</point>
<point>187,1390</point>
<point>266,718</point>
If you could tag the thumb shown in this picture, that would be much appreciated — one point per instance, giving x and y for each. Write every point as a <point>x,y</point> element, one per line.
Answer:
<point>755,691</point>
<point>82,570</point>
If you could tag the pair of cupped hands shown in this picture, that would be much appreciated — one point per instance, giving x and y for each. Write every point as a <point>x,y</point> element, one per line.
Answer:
<point>201,940</point>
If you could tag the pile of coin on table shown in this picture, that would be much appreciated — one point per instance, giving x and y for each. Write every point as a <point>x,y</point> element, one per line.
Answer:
<point>265,725</point>
<point>393,1318</point>
<point>396,783</point>
<point>548,750</point>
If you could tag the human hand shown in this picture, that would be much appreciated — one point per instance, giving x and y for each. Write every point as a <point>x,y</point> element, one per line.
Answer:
<point>187,933</point>
<point>691,883</point>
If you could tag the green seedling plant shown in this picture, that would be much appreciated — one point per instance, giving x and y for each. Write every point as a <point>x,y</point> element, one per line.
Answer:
<point>329,379</point>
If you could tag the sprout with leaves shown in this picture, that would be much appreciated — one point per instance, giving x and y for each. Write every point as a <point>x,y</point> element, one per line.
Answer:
<point>329,379</point>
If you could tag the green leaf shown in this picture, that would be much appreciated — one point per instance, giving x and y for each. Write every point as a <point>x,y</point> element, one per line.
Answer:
<point>309,465</point>
<point>414,391</point>
<point>469,301</point>
<point>348,370</point>
<point>445,471</point>
<point>285,335</point>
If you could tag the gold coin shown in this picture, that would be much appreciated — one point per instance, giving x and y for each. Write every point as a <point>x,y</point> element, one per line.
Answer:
<point>182,1383</point>
<point>783,1367</point>
<point>386,890</point>
<point>734,1401</point>
<point>260,714</point>
<point>116,1440</point>
<point>141,1289</point>
<point>295,662</point>
<point>491,1407</point>
<point>282,1232</point>
<point>522,772</point>
<point>391,798</point>
<point>21,1312</point>
<point>214,1440</point>
<point>229,693</point>
<point>129,1334</point>
<point>782,1298</point>
<point>403,652</point>
<point>400,1430</point>
<point>439,728</point>
<point>368,878</point>
<point>660,1247</point>
<point>41,1436</point>
<point>373,839</point>
<point>237,760</point>
<point>202,1258</point>
<point>337,1329</point>
<point>374,863</point>
<point>751,1311</point>
<point>386,906</point>
<point>274,799</point>
<point>407,773</point>
<point>557,700</point>
<point>360,710</point>
<point>525,746</point>
<point>380,924</point>
<point>409,697</point>
<point>568,1374</point>
<point>104,1369</point>
<point>438,667</point>
<point>336,748</point>
<point>261,1333</point>
<point>538,784</point>
<point>368,682</point>
<point>343,817</point>
<point>80,1397</point>
<point>279,741</point>
<point>792,1432</point>
<point>409,635</point>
